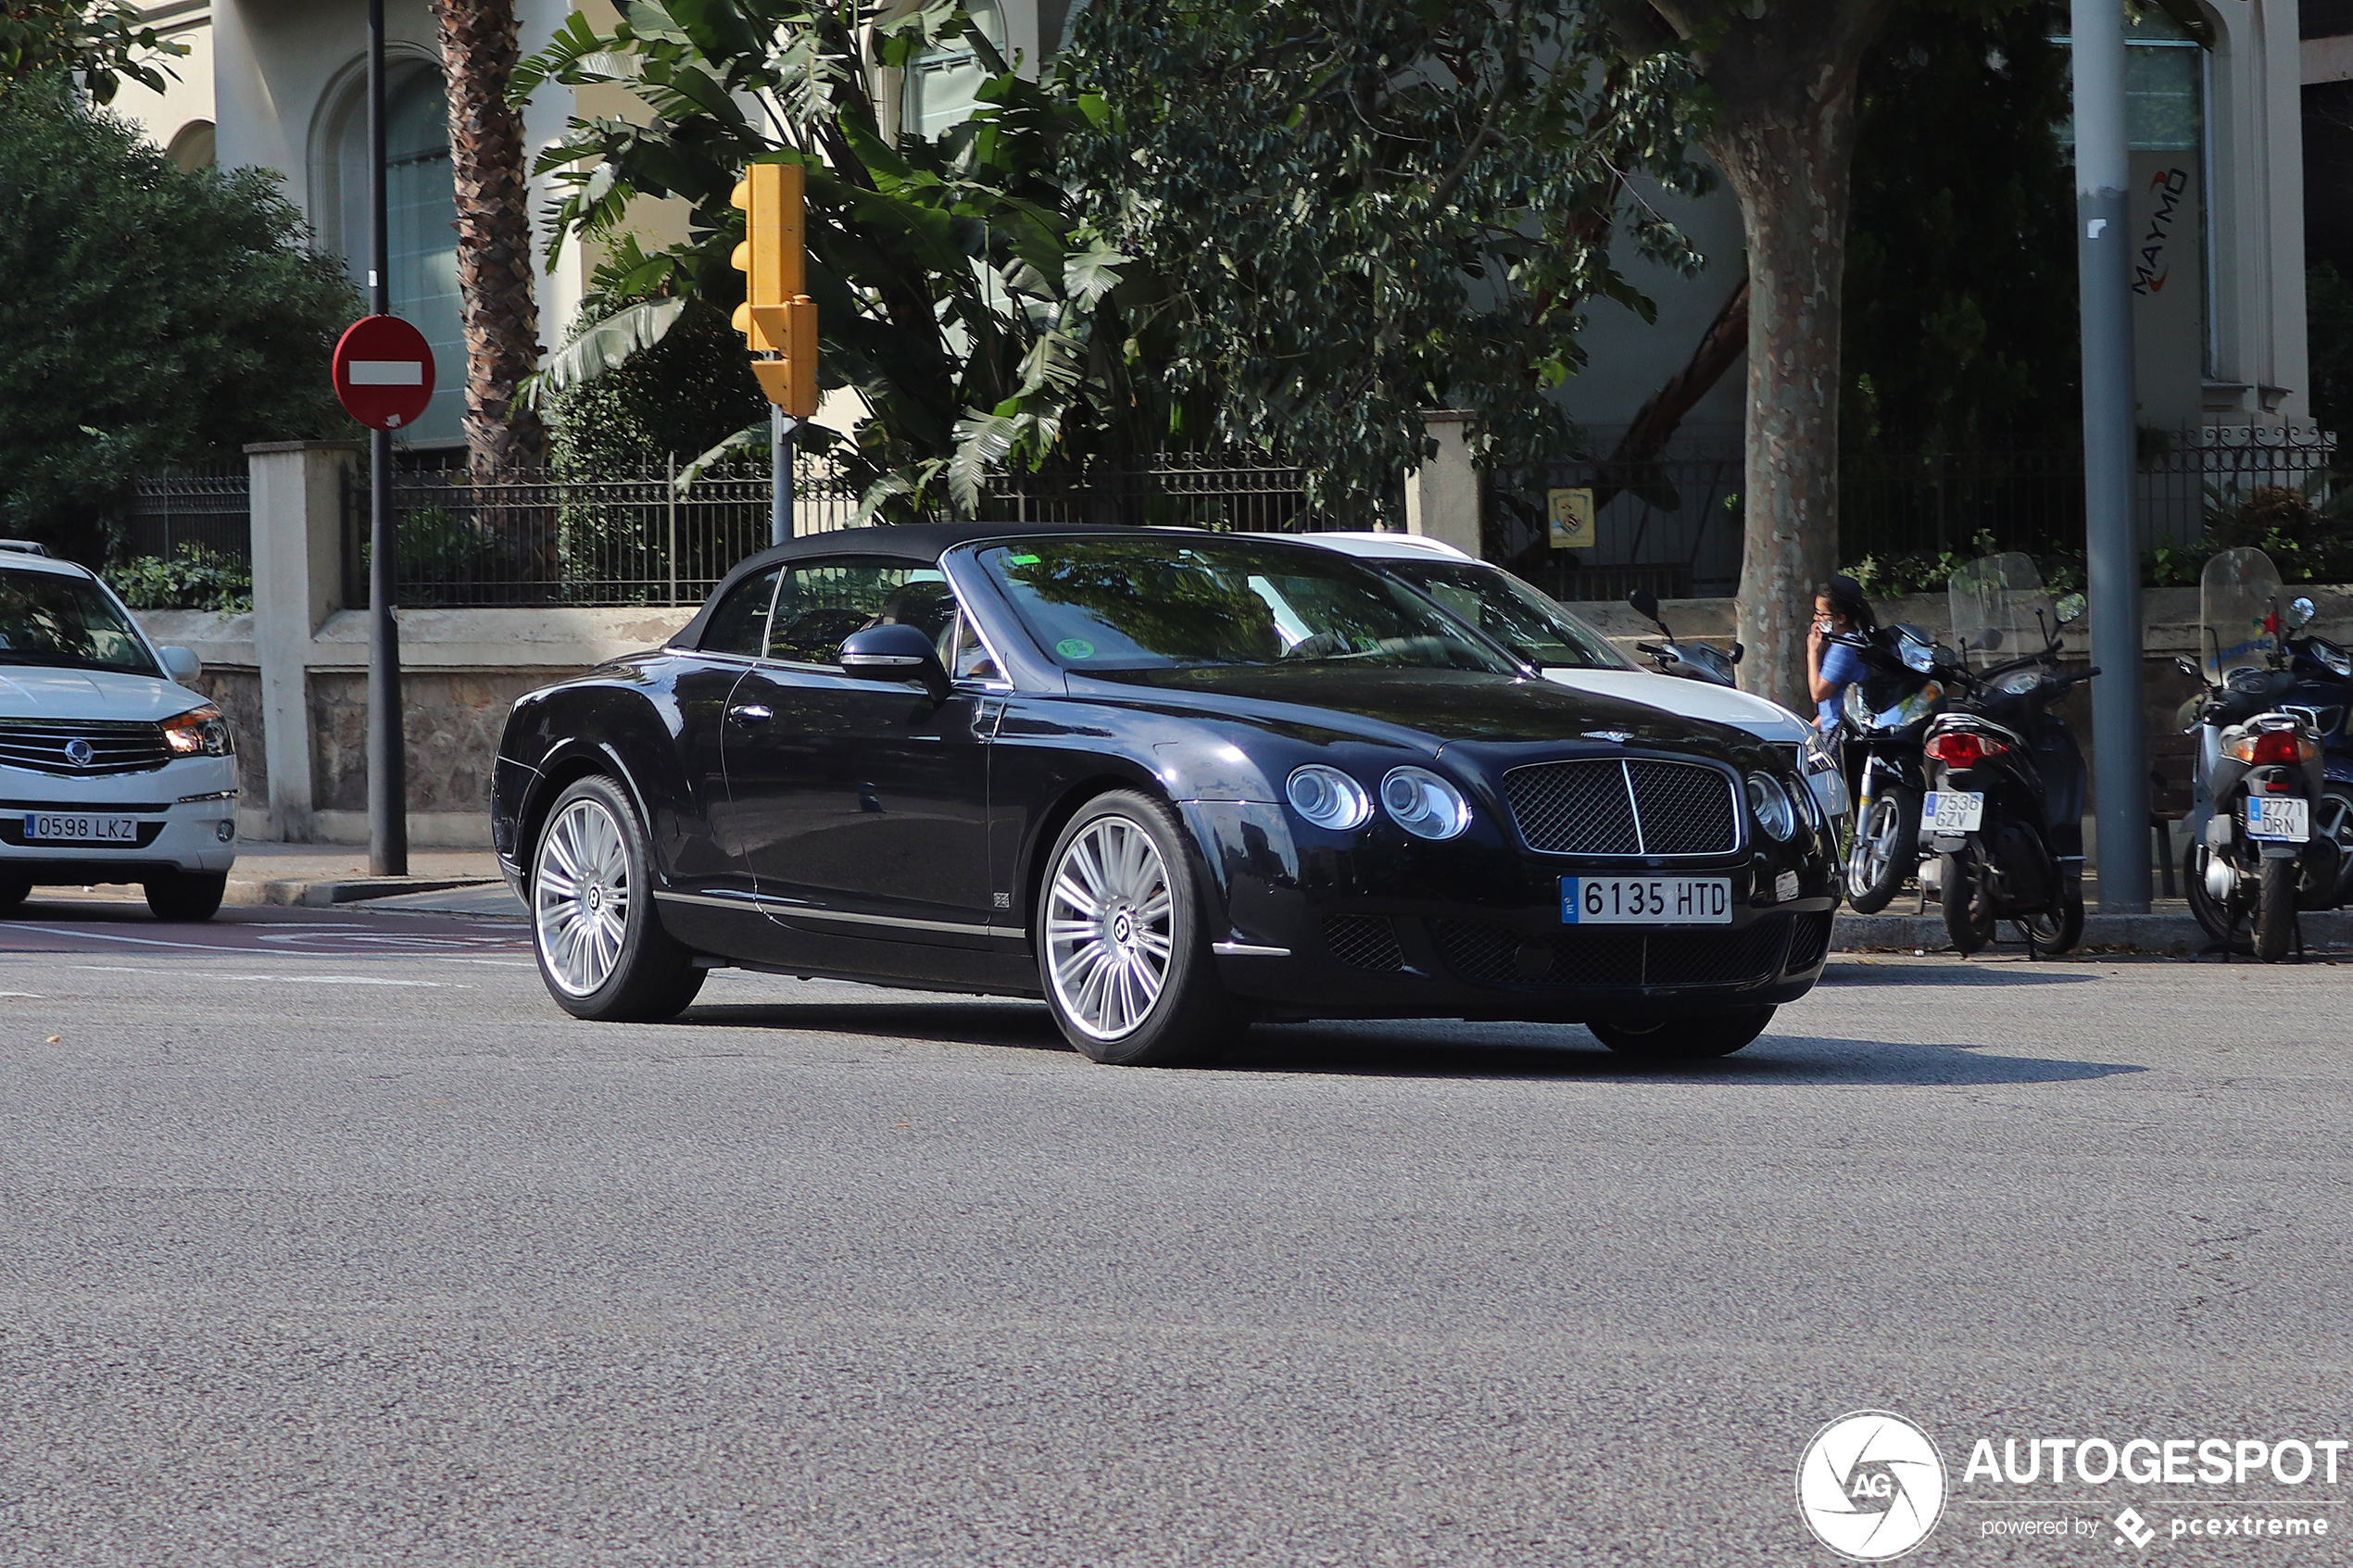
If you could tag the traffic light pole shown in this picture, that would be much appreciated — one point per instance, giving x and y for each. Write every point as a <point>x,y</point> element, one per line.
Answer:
<point>782,428</point>
<point>387,771</point>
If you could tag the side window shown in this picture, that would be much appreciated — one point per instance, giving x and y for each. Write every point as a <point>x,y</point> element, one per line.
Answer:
<point>740,624</point>
<point>970,660</point>
<point>821,602</point>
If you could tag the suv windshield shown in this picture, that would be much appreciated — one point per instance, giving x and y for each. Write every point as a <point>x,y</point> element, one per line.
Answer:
<point>1156,602</point>
<point>1507,609</point>
<point>48,618</point>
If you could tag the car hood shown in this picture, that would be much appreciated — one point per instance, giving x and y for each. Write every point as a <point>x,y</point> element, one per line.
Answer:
<point>46,692</point>
<point>1431,708</point>
<point>1764,719</point>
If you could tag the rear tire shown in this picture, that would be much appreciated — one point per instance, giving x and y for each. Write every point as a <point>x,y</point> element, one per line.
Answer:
<point>187,896</point>
<point>1123,939</point>
<point>1968,912</point>
<point>594,928</point>
<point>2332,820</point>
<point>1886,847</point>
<point>2212,917</point>
<point>2275,911</point>
<point>1690,1036</point>
<point>2059,933</point>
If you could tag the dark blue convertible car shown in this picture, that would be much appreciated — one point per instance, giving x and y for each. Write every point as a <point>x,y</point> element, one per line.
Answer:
<point>1167,781</point>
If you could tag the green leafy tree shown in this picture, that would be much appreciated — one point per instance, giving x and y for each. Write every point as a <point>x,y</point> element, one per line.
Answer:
<point>101,41</point>
<point>150,317</point>
<point>1361,211</point>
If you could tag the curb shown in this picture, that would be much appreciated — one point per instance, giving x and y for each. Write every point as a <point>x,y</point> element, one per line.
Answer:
<point>352,890</point>
<point>2140,934</point>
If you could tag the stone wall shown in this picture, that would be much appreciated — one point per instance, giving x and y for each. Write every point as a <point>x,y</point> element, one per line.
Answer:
<point>452,720</point>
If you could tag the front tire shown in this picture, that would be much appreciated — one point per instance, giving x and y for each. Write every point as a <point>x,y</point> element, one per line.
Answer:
<point>187,896</point>
<point>1968,907</point>
<point>1122,944</point>
<point>600,945</point>
<point>2332,820</point>
<point>1690,1038</point>
<point>2057,931</point>
<point>1886,845</point>
<point>2212,917</point>
<point>2275,909</point>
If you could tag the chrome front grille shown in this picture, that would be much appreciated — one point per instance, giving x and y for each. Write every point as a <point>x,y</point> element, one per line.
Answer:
<point>83,750</point>
<point>1624,806</point>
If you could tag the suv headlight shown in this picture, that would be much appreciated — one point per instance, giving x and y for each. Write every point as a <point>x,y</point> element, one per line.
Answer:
<point>1769,803</point>
<point>1424,803</point>
<point>200,731</point>
<point>1329,797</point>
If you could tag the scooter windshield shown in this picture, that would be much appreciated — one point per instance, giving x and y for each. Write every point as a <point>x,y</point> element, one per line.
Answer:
<point>2239,606</point>
<point>2000,611</point>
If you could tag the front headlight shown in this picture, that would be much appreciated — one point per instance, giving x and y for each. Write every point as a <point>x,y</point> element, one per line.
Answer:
<point>1424,803</point>
<point>2017,682</point>
<point>1769,802</point>
<point>1329,797</point>
<point>200,731</point>
<point>1854,704</point>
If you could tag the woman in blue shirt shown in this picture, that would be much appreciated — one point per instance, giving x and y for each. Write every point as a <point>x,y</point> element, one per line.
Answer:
<point>1830,668</point>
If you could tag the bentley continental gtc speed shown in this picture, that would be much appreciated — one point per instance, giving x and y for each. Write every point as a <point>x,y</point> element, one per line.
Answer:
<point>1168,782</point>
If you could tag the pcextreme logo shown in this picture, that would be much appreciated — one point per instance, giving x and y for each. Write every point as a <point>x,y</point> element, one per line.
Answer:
<point>1870,1486</point>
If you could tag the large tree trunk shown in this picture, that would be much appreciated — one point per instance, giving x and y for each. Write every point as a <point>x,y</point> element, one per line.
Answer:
<point>1792,181</point>
<point>478,52</point>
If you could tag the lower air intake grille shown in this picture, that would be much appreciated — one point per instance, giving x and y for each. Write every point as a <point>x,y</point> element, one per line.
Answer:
<point>82,748</point>
<point>1497,955</point>
<point>1809,940</point>
<point>1363,941</point>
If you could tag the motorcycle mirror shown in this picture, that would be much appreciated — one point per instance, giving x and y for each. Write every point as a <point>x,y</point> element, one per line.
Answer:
<point>2300,613</point>
<point>2070,608</point>
<point>2185,664</point>
<point>1645,605</point>
<point>1734,657</point>
<point>1990,641</point>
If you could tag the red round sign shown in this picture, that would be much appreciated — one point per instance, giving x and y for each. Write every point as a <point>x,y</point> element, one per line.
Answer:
<point>384,372</point>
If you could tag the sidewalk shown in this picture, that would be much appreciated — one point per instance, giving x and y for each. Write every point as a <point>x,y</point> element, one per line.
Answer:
<point>317,876</point>
<point>2168,927</point>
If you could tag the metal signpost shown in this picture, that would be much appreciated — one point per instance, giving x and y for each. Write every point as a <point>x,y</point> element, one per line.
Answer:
<point>2103,238</point>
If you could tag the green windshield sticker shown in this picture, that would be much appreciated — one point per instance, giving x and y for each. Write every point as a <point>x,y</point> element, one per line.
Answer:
<point>1022,560</point>
<point>1075,647</point>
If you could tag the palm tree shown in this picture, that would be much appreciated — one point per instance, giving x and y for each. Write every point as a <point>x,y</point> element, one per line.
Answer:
<point>479,50</point>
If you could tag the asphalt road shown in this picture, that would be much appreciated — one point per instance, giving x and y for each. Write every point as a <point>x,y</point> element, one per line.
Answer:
<point>326,1239</point>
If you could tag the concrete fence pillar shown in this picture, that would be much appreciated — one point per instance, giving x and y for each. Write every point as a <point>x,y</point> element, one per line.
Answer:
<point>1441,497</point>
<point>298,583</point>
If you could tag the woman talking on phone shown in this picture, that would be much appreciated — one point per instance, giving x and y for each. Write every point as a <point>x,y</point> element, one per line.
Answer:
<point>1830,668</point>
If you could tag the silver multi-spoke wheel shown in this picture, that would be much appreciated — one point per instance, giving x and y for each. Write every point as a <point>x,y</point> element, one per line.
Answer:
<point>580,894</point>
<point>1110,928</point>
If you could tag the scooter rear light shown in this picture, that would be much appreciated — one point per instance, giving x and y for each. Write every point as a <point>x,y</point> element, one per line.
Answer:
<point>1963,749</point>
<point>2275,749</point>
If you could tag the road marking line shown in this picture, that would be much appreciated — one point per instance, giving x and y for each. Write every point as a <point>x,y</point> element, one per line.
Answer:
<point>277,979</point>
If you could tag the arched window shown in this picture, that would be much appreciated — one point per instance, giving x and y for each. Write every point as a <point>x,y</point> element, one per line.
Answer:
<point>190,147</point>
<point>421,210</point>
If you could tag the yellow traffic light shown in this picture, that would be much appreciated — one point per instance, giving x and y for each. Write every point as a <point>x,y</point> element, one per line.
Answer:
<point>777,316</point>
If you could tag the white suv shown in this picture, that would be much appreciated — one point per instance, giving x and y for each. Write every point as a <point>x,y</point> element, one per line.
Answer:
<point>110,771</point>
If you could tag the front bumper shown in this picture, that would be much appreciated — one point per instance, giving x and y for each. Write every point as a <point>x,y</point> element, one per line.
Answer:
<point>180,810</point>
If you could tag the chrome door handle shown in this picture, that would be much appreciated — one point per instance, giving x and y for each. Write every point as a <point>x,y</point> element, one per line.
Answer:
<point>750,713</point>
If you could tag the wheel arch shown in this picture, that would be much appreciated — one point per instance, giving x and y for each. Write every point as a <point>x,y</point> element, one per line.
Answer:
<point>1073,800</point>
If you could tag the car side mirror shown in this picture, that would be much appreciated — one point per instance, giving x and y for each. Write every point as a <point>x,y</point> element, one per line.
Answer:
<point>2300,613</point>
<point>896,652</point>
<point>181,664</point>
<point>2070,608</point>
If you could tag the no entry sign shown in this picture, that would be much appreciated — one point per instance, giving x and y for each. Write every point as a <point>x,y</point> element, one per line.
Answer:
<point>384,372</point>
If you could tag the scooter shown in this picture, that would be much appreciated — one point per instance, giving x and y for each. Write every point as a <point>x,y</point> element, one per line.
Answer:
<point>2005,822</point>
<point>1884,717</point>
<point>2253,857</point>
<point>2323,696</point>
<point>1695,661</point>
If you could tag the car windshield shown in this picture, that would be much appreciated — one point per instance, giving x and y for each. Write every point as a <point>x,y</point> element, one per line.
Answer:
<point>1522,619</point>
<point>1156,602</point>
<point>48,618</point>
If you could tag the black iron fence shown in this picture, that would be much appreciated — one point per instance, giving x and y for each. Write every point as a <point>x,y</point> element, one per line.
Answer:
<point>1674,526</point>
<point>1226,494</point>
<point>210,511</point>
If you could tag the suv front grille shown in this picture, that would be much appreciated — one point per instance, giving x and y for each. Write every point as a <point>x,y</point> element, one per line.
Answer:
<point>1624,806</point>
<point>113,747</point>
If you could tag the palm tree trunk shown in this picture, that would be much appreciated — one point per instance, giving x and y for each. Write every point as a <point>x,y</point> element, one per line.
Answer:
<point>479,49</point>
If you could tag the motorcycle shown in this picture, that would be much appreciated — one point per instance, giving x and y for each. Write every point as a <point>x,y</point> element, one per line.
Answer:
<point>1695,661</point>
<point>2005,822</point>
<point>2253,857</point>
<point>1883,719</point>
<point>2323,695</point>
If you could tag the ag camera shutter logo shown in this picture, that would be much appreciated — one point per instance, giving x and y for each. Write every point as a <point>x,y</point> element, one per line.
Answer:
<point>1870,1486</point>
